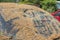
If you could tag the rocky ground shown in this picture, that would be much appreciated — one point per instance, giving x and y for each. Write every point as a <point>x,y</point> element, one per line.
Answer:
<point>26,22</point>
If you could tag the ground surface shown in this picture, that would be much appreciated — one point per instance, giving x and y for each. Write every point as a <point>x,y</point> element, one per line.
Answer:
<point>26,22</point>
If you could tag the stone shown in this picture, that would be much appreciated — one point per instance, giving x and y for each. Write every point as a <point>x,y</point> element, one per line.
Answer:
<point>27,22</point>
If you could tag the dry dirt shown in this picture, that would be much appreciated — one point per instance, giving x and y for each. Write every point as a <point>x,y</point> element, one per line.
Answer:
<point>27,22</point>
